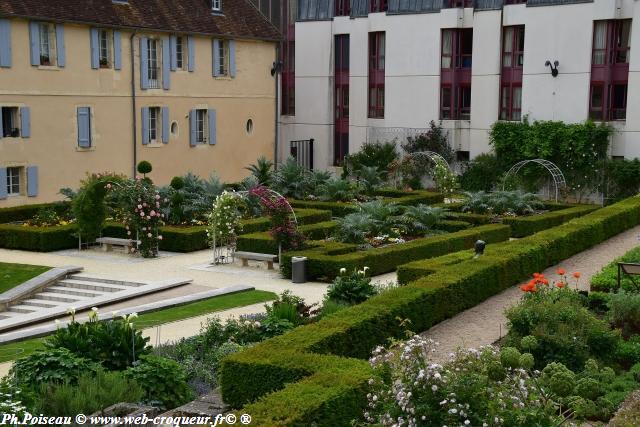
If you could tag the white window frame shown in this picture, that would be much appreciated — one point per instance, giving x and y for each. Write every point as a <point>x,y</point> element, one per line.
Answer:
<point>48,43</point>
<point>216,5</point>
<point>15,120</point>
<point>155,117</point>
<point>182,54</point>
<point>105,48</point>
<point>154,47</point>
<point>223,54</point>
<point>15,175</point>
<point>202,126</point>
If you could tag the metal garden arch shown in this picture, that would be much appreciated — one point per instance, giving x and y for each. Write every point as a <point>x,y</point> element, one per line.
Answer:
<point>555,172</point>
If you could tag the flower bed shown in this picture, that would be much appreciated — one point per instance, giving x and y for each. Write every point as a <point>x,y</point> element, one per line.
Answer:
<point>339,209</point>
<point>310,374</point>
<point>26,212</point>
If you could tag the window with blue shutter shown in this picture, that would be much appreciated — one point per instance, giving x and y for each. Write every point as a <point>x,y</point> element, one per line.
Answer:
<point>165,125</point>
<point>117,50</point>
<point>34,42</point>
<point>145,125</point>
<point>166,63</point>
<point>32,181</point>
<point>5,43</point>
<point>25,122</point>
<point>3,183</point>
<point>212,127</point>
<point>60,50</point>
<point>191,50</point>
<point>84,127</point>
<point>144,63</point>
<point>218,60</point>
<point>95,48</point>
<point>232,58</point>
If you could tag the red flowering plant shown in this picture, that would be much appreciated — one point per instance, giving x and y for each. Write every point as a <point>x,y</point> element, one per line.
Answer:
<point>284,229</point>
<point>143,215</point>
<point>540,282</point>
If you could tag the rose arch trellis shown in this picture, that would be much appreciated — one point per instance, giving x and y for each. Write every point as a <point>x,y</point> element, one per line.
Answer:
<point>223,253</point>
<point>431,156</point>
<point>556,174</point>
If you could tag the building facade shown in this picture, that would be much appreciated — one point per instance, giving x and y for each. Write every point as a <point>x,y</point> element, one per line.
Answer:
<point>97,86</point>
<point>378,70</point>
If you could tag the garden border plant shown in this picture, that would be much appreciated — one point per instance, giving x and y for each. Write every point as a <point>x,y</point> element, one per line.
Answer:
<point>317,373</point>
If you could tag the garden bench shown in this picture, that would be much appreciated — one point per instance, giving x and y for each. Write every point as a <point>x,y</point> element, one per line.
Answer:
<point>109,242</point>
<point>253,256</point>
<point>630,269</point>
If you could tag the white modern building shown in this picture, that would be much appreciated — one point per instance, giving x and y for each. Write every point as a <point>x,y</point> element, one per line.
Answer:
<point>367,70</point>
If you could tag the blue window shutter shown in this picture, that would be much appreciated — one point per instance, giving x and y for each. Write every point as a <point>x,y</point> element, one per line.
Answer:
<point>166,63</point>
<point>62,55</point>
<point>95,54</point>
<point>144,63</point>
<point>165,125</point>
<point>191,48</point>
<point>173,41</point>
<point>216,57</point>
<point>192,128</point>
<point>212,126</point>
<point>84,127</point>
<point>145,125</point>
<point>5,44</point>
<point>25,122</point>
<point>34,41</point>
<point>117,50</point>
<point>3,183</point>
<point>232,58</point>
<point>32,181</point>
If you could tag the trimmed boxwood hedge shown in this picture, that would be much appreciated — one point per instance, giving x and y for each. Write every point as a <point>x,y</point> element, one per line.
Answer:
<point>309,375</point>
<point>39,239</point>
<point>324,264</point>
<point>25,212</point>
<point>339,209</point>
<point>175,239</point>
<point>527,225</point>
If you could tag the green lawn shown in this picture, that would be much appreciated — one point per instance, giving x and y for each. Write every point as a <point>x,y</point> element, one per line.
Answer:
<point>13,351</point>
<point>12,275</point>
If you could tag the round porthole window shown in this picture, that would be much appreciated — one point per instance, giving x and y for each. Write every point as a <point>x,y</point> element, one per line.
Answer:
<point>174,128</point>
<point>249,126</point>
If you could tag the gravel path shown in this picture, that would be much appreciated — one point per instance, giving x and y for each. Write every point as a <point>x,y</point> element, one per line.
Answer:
<point>485,323</point>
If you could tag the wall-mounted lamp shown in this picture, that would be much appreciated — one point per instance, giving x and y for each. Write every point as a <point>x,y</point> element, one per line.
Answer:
<point>276,68</point>
<point>554,67</point>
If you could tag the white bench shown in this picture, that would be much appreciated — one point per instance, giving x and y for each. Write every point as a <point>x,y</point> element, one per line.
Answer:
<point>253,256</point>
<point>109,242</point>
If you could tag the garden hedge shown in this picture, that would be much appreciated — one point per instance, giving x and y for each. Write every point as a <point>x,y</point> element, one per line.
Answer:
<point>324,263</point>
<point>175,239</point>
<point>522,226</point>
<point>339,209</point>
<point>316,374</point>
<point>25,212</point>
<point>39,239</point>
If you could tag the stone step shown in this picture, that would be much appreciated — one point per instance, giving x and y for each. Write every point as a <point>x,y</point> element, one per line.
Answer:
<point>108,281</point>
<point>75,291</point>
<point>91,286</point>
<point>40,303</point>
<point>8,314</point>
<point>52,296</point>
<point>23,309</point>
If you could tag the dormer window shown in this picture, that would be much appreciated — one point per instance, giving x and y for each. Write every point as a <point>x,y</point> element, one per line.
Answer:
<point>216,5</point>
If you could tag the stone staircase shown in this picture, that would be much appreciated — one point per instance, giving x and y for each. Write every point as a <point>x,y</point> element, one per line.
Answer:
<point>68,293</point>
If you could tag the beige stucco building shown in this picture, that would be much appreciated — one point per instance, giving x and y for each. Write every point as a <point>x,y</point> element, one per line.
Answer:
<point>96,86</point>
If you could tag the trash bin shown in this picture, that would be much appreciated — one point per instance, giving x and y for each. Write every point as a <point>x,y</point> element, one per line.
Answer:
<point>299,269</point>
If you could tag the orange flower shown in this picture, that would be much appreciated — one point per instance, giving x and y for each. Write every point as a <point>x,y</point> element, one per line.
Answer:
<point>576,274</point>
<point>537,275</point>
<point>528,287</point>
<point>545,282</point>
<point>561,272</point>
<point>560,285</point>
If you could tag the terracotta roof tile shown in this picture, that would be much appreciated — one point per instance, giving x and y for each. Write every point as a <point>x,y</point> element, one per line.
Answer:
<point>239,19</point>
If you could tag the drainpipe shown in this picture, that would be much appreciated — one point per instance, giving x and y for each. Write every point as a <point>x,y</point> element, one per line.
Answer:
<point>133,105</point>
<point>275,72</point>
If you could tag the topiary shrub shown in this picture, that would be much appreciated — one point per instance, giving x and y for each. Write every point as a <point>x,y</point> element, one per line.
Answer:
<point>144,167</point>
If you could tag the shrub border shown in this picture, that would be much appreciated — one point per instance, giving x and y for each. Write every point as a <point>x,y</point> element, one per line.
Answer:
<point>309,375</point>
